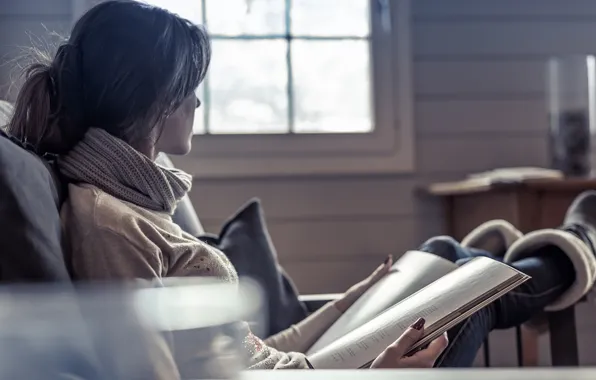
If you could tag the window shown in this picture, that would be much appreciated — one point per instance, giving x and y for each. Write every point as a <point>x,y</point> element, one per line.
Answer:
<point>284,66</point>
<point>302,87</point>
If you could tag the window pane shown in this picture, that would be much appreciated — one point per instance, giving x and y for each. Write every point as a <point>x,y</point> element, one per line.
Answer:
<point>238,17</point>
<point>330,18</point>
<point>247,87</point>
<point>331,86</point>
<point>191,10</point>
<point>198,126</point>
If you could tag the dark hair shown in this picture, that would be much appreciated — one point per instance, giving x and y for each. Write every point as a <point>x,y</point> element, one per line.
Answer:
<point>125,67</point>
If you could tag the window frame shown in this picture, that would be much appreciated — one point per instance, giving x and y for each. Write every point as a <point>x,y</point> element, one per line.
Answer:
<point>388,149</point>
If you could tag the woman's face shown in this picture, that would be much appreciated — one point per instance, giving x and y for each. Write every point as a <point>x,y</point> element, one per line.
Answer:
<point>176,135</point>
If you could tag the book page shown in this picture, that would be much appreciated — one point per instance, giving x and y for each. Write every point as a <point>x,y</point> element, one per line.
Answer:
<point>410,273</point>
<point>444,300</point>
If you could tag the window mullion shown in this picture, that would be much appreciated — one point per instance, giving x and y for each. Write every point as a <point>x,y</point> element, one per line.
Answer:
<point>206,90</point>
<point>290,83</point>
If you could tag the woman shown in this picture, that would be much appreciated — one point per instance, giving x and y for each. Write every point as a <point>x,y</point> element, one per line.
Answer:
<point>120,90</point>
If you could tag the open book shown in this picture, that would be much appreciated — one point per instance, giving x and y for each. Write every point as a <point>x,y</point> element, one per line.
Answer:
<point>419,285</point>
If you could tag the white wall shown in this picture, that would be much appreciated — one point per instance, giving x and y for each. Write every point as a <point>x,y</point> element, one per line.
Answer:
<point>479,104</point>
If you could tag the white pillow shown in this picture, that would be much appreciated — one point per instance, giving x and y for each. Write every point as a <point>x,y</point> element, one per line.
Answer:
<point>5,112</point>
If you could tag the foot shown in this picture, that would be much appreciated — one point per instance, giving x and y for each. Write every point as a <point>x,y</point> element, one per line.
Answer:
<point>580,219</point>
<point>576,238</point>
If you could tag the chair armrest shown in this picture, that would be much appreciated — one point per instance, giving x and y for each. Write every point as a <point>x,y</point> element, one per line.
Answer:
<point>314,302</point>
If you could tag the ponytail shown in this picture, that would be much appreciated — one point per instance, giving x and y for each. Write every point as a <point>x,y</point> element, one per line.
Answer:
<point>32,119</point>
<point>40,118</point>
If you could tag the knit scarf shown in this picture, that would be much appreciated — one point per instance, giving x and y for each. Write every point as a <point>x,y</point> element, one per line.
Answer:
<point>115,167</point>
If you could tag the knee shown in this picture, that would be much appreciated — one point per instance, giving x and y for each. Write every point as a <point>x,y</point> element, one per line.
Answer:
<point>442,246</point>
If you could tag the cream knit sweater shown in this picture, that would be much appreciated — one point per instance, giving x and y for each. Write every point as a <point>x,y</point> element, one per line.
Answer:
<point>109,239</point>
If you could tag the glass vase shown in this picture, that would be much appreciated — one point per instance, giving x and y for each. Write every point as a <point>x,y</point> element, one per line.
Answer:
<point>570,91</point>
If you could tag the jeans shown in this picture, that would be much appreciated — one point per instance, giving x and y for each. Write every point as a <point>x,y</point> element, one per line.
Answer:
<point>551,271</point>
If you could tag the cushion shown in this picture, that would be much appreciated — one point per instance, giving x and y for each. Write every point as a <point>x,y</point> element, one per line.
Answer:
<point>30,236</point>
<point>246,242</point>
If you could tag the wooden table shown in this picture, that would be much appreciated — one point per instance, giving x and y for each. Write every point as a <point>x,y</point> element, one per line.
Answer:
<point>529,205</point>
<point>430,374</point>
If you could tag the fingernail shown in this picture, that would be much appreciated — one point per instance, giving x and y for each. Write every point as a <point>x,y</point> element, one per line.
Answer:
<point>387,260</point>
<point>419,324</point>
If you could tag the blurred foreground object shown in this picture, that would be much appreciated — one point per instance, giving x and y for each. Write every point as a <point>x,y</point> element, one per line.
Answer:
<point>428,374</point>
<point>124,332</point>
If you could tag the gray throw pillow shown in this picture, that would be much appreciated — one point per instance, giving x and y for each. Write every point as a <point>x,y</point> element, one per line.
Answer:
<point>246,242</point>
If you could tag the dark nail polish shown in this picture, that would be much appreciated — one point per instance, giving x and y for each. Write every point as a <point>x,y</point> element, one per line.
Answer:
<point>387,260</point>
<point>419,324</point>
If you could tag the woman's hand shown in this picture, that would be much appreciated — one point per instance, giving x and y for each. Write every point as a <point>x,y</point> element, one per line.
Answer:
<point>357,290</point>
<point>394,355</point>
